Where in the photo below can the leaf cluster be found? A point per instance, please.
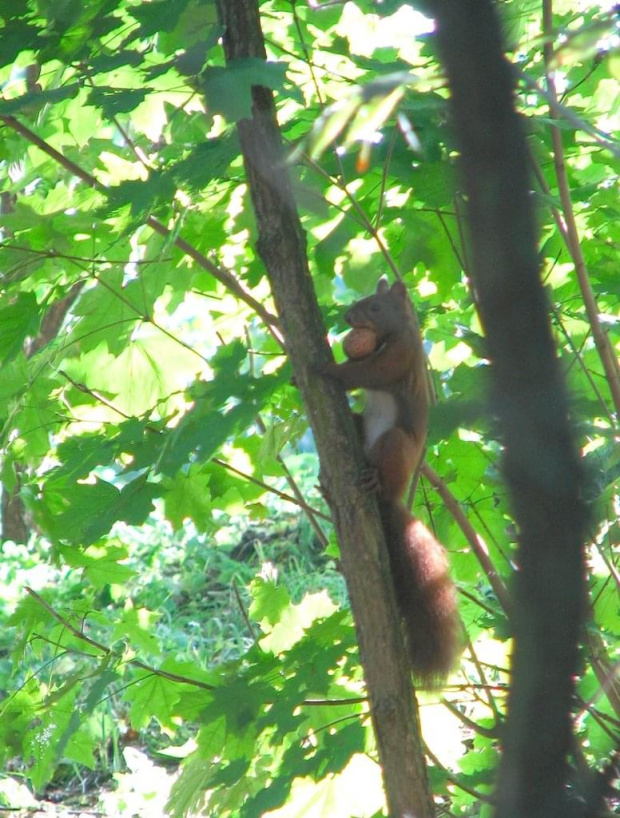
(145, 388)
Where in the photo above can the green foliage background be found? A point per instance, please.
(147, 412)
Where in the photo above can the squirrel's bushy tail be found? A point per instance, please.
(425, 594)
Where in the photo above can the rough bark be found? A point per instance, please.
(541, 464)
(17, 524)
(282, 247)
(14, 525)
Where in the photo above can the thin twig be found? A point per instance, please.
(478, 545)
(295, 500)
(281, 494)
(582, 364)
(309, 512)
(489, 693)
(488, 732)
(244, 613)
(481, 796)
(563, 112)
(384, 176)
(173, 677)
(451, 241)
(51, 253)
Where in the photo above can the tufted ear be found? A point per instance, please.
(382, 285)
(399, 289)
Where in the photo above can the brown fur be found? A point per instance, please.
(425, 594)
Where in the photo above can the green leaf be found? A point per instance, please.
(295, 619)
(89, 510)
(100, 563)
(18, 714)
(28, 614)
(143, 196)
(85, 744)
(208, 160)
(135, 626)
(228, 91)
(158, 16)
(17, 321)
(42, 740)
(114, 101)
(188, 497)
(372, 115)
(108, 62)
(33, 101)
(332, 123)
(190, 792)
(152, 697)
(223, 406)
(15, 36)
(269, 600)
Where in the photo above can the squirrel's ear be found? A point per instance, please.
(382, 285)
(399, 289)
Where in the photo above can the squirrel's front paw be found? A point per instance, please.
(327, 369)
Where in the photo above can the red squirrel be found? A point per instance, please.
(393, 433)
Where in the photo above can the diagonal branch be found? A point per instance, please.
(223, 276)
(173, 677)
(478, 545)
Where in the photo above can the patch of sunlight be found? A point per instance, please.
(142, 791)
(443, 732)
(295, 619)
(356, 791)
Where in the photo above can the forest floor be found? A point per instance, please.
(140, 792)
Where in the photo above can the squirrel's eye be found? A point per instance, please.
(375, 308)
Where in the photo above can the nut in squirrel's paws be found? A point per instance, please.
(359, 343)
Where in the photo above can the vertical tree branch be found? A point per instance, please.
(541, 464)
(605, 350)
(282, 247)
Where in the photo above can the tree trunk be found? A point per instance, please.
(541, 464)
(282, 247)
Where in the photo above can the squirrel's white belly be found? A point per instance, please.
(379, 416)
